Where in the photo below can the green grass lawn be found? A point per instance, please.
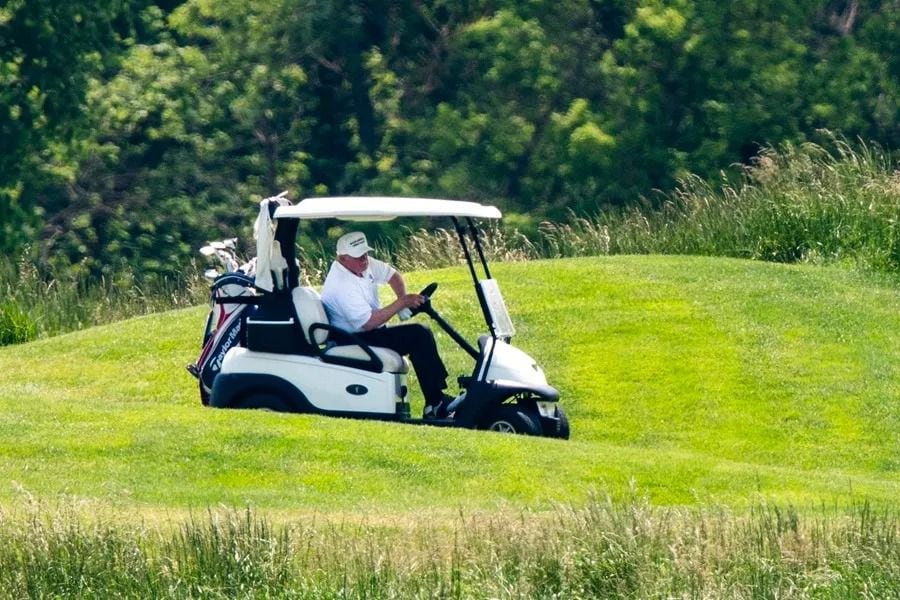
(695, 380)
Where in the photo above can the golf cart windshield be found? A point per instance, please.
(493, 299)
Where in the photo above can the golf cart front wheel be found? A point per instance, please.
(557, 427)
(510, 418)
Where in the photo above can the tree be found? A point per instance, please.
(48, 51)
(544, 107)
(189, 131)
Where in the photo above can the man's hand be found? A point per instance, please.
(382, 315)
(412, 301)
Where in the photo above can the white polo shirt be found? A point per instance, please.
(350, 300)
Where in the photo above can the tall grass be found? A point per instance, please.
(601, 550)
(424, 249)
(793, 204)
(37, 303)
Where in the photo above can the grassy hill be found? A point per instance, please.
(695, 380)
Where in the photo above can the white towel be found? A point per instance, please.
(271, 268)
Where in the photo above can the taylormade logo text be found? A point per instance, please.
(227, 343)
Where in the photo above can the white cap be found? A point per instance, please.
(353, 244)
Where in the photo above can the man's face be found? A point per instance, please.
(355, 265)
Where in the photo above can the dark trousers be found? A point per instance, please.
(417, 342)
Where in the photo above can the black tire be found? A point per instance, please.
(510, 418)
(562, 428)
(262, 401)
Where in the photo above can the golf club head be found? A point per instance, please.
(249, 267)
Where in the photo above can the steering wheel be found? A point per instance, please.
(427, 292)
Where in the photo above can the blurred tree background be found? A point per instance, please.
(132, 131)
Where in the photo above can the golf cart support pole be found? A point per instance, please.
(474, 233)
(451, 332)
(461, 232)
(485, 309)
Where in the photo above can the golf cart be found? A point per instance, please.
(291, 359)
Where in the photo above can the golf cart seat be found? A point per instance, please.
(317, 329)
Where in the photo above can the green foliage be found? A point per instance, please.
(41, 303)
(172, 118)
(213, 147)
(48, 53)
(834, 204)
(794, 204)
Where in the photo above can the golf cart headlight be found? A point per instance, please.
(547, 409)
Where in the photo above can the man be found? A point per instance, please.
(350, 296)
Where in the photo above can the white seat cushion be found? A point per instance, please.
(310, 310)
(393, 362)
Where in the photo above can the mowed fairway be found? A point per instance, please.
(691, 380)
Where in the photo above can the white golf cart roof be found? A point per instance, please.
(383, 208)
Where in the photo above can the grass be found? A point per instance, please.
(703, 383)
(806, 204)
(603, 549)
(735, 435)
(699, 380)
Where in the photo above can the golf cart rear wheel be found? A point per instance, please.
(510, 418)
(262, 401)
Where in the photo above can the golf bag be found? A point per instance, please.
(224, 328)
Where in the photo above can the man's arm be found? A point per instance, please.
(397, 284)
(382, 315)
